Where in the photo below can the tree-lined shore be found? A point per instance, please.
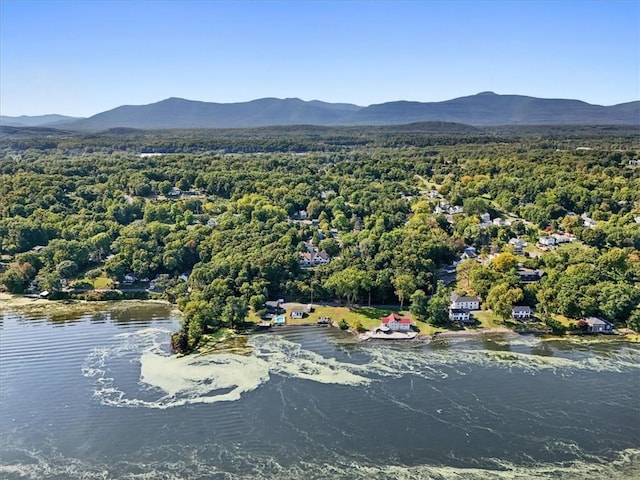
(219, 222)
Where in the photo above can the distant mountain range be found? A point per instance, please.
(483, 109)
(36, 121)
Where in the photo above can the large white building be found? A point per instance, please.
(459, 302)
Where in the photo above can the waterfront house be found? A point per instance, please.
(465, 303)
(459, 309)
(459, 315)
(395, 323)
(274, 307)
(519, 312)
(598, 325)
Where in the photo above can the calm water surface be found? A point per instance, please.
(100, 396)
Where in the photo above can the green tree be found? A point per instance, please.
(616, 301)
(100, 244)
(234, 312)
(256, 302)
(164, 187)
(67, 269)
(633, 322)
(504, 262)
(404, 285)
(347, 283)
(93, 275)
(502, 298)
(419, 305)
(464, 270)
(438, 306)
(48, 280)
(17, 277)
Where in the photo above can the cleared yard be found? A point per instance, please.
(368, 317)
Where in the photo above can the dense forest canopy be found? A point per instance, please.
(235, 209)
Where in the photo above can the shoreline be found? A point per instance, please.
(54, 308)
(63, 309)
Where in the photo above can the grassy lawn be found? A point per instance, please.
(428, 184)
(369, 317)
(223, 340)
(489, 319)
(532, 250)
(564, 320)
(102, 283)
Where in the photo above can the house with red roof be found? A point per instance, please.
(395, 323)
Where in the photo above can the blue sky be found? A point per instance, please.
(83, 57)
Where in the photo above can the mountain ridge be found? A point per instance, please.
(482, 109)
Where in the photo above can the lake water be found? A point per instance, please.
(101, 397)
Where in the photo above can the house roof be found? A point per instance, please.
(395, 317)
(521, 308)
(527, 272)
(596, 321)
(457, 298)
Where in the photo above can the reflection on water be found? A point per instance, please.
(102, 397)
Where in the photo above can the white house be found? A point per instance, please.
(313, 259)
(297, 314)
(396, 323)
(563, 238)
(547, 241)
(521, 312)
(485, 217)
(518, 244)
(588, 221)
(464, 303)
(459, 315)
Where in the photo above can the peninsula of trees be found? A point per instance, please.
(220, 221)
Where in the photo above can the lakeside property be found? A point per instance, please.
(227, 340)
